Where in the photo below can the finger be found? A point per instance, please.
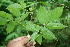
(34, 43)
(18, 43)
(30, 44)
(25, 40)
(21, 38)
(18, 39)
(28, 36)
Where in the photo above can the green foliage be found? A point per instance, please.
(55, 26)
(14, 9)
(47, 34)
(3, 21)
(48, 15)
(5, 2)
(32, 27)
(6, 15)
(41, 20)
(39, 39)
(10, 26)
(34, 36)
(42, 15)
(10, 36)
(3, 46)
(23, 5)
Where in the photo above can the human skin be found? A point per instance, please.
(21, 42)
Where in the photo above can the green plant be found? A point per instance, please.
(25, 18)
(5, 2)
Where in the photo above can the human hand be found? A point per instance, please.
(21, 42)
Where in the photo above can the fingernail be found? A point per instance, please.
(28, 36)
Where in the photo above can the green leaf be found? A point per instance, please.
(23, 24)
(47, 34)
(15, 9)
(23, 16)
(6, 15)
(39, 39)
(9, 16)
(10, 27)
(34, 36)
(45, 16)
(16, 35)
(62, 1)
(55, 26)
(30, 26)
(10, 36)
(45, 3)
(19, 30)
(37, 27)
(55, 13)
(15, 5)
(23, 4)
(3, 21)
(41, 15)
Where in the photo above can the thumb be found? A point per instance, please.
(25, 39)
